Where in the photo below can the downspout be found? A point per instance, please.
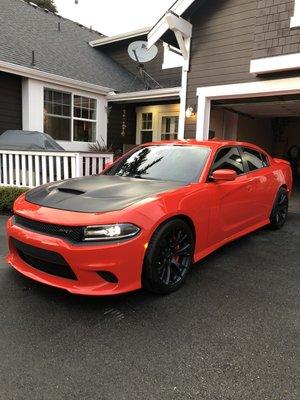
(183, 91)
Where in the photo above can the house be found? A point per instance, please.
(226, 68)
(242, 74)
(57, 76)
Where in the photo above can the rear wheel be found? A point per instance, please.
(169, 257)
(280, 209)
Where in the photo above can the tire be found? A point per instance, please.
(169, 257)
(280, 209)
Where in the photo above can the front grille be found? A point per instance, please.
(44, 260)
(72, 233)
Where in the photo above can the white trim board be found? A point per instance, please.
(241, 90)
(162, 25)
(145, 94)
(52, 78)
(181, 6)
(275, 64)
(118, 38)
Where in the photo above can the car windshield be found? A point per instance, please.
(167, 163)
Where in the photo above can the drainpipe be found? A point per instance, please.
(183, 91)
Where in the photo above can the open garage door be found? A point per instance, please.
(270, 122)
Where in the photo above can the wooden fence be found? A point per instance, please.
(34, 168)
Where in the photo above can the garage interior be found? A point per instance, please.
(272, 123)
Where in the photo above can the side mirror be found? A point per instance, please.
(224, 175)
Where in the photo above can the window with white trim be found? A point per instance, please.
(172, 57)
(295, 20)
(84, 124)
(169, 129)
(147, 128)
(57, 114)
(69, 117)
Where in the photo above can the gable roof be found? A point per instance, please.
(61, 47)
(181, 8)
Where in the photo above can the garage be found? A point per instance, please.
(272, 123)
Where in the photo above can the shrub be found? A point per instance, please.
(7, 197)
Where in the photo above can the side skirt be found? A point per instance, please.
(214, 247)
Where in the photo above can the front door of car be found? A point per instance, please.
(233, 207)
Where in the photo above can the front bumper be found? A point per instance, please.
(122, 259)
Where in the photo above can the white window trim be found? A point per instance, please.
(33, 110)
(72, 118)
(295, 20)
(275, 64)
(242, 90)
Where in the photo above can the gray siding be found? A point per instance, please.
(166, 77)
(222, 45)
(10, 102)
(273, 36)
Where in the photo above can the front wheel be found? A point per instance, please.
(280, 209)
(169, 257)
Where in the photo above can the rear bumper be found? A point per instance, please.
(124, 260)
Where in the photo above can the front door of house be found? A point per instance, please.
(156, 123)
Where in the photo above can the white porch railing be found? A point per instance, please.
(34, 168)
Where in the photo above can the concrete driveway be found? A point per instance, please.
(231, 333)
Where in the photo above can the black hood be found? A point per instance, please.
(98, 193)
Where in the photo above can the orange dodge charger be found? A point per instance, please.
(148, 217)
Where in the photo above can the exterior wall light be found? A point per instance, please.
(189, 112)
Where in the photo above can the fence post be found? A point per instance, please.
(78, 165)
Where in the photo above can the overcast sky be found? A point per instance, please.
(111, 17)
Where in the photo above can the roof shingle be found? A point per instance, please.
(61, 47)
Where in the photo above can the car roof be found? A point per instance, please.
(213, 143)
(28, 140)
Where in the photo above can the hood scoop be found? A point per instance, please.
(70, 191)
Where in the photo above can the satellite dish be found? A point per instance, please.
(140, 53)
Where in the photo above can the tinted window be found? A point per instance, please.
(265, 160)
(229, 158)
(168, 163)
(253, 159)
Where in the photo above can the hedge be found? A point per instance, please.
(7, 197)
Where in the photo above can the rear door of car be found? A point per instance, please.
(262, 179)
(233, 203)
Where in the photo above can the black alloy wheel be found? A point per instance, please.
(169, 257)
(280, 209)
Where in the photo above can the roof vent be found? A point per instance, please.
(33, 4)
(46, 10)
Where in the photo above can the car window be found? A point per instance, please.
(265, 160)
(168, 163)
(229, 158)
(253, 158)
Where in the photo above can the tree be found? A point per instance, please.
(49, 4)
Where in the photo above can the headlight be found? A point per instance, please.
(110, 232)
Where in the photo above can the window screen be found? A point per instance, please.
(229, 158)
